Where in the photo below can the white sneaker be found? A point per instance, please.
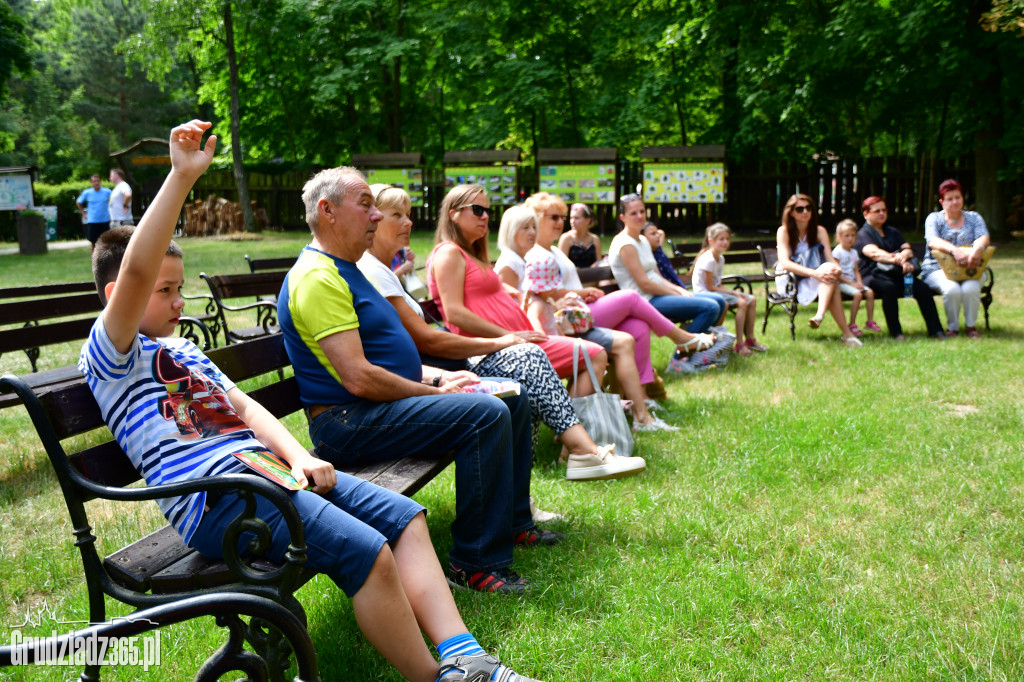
(651, 404)
(602, 465)
(541, 516)
(852, 342)
(655, 424)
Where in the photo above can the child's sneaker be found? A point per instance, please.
(855, 330)
(872, 326)
(476, 668)
(501, 580)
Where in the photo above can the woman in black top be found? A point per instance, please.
(582, 246)
(885, 257)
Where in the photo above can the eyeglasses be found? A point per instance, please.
(478, 210)
(801, 209)
(555, 217)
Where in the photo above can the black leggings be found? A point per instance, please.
(890, 289)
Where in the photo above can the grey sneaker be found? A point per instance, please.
(477, 668)
(655, 424)
(602, 465)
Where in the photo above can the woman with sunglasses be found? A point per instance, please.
(885, 259)
(635, 269)
(582, 246)
(476, 303)
(802, 246)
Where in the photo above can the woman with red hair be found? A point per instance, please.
(885, 258)
(963, 235)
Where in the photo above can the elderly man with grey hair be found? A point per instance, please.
(368, 397)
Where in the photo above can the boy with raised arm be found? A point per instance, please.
(373, 543)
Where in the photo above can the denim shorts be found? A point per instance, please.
(602, 336)
(345, 529)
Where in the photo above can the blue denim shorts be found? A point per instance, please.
(345, 529)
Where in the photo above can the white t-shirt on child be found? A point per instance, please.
(706, 262)
(847, 261)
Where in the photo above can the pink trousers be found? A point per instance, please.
(630, 312)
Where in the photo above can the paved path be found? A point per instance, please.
(56, 246)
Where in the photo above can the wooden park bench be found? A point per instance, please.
(787, 299)
(743, 251)
(261, 287)
(158, 568)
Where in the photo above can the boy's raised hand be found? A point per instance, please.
(188, 156)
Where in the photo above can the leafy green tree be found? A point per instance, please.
(202, 32)
(14, 46)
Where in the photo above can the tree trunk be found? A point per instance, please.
(242, 185)
(990, 197)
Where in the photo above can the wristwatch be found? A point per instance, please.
(437, 381)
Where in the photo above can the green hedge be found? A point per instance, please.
(63, 195)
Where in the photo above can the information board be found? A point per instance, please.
(684, 183)
(585, 183)
(500, 181)
(15, 192)
(409, 179)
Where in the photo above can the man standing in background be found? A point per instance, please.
(120, 200)
(93, 204)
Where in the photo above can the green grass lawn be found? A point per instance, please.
(824, 514)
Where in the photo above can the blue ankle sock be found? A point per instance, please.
(459, 645)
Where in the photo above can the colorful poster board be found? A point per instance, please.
(15, 192)
(585, 183)
(501, 181)
(684, 183)
(409, 179)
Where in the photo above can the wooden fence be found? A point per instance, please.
(756, 192)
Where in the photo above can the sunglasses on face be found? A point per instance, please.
(801, 209)
(477, 209)
(555, 217)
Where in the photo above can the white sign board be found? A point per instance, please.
(15, 192)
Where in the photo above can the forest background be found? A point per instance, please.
(295, 84)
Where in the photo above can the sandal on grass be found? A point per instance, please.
(814, 322)
(742, 350)
(754, 345)
(699, 342)
(852, 342)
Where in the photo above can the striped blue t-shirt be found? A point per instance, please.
(166, 405)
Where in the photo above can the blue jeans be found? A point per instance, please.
(718, 298)
(493, 459)
(703, 310)
(345, 529)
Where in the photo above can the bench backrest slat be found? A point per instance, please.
(47, 308)
(45, 334)
(49, 290)
(257, 264)
(246, 285)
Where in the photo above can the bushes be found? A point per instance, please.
(63, 195)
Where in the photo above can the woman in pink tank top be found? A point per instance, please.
(475, 302)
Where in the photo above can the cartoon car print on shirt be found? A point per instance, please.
(195, 403)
